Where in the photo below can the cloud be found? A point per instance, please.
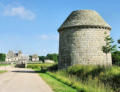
(48, 37)
(20, 11)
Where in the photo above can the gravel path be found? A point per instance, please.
(22, 80)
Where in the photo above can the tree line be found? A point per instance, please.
(2, 57)
(53, 57)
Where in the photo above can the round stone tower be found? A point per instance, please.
(81, 39)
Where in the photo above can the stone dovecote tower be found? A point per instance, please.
(81, 39)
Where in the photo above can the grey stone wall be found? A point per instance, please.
(81, 39)
(83, 46)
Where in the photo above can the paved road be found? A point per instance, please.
(22, 80)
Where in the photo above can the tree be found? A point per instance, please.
(42, 58)
(30, 57)
(53, 57)
(2, 57)
(108, 47)
(116, 58)
(119, 43)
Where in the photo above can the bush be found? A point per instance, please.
(2, 57)
(116, 58)
(38, 66)
(53, 57)
(42, 58)
(44, 67)
(54, 67)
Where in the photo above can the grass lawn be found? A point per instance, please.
(56, 85)
(2, 71)
(4, 64)
(80, 78)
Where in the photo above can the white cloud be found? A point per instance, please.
(20, 11)
(48, 37)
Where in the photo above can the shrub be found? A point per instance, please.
(53, 57)
(44, 67)
(116, 58)
(2, 57)
(54, 67)
(38, 66)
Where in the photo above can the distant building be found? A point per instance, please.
(16, 57)
(49, 61)
(81, 40)
(35, 58)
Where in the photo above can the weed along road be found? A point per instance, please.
(22, 80)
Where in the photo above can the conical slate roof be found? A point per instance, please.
(84, 18)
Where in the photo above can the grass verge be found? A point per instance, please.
(56, 85)
(86, 78)
(2, 71)
(4, 64)
(88, 86)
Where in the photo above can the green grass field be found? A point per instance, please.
(2, 71)
(4, 64)
(56, 85)
(84, 78)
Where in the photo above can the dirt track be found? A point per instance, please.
(22, 80)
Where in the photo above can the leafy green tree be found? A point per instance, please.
(116, 58)
(53, 57)
(30, 57)
(2, 57)
(42, 58)
(108, 47)
(119, 43)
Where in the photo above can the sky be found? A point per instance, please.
(31, 25)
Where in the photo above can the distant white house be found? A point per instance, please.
(35, 58)
(49, 61)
